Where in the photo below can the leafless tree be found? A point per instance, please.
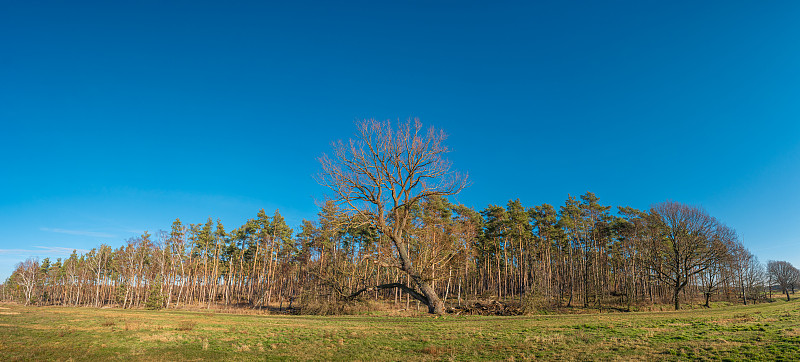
(688, 245)
(381, 175)
(536, 256)
(28, 272)
(756, 279)
(795, 279)
(783, 273)
(718, 273)
(741, 263)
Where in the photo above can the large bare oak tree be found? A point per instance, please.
(381, 175)
(688, 244)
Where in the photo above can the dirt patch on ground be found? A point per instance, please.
(8, 313)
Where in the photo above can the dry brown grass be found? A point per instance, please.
(433, 350)
(242, 348)
(161, 337)
(791, 332)
(737, 318)
(546, 339)
(742, 332)
(186, 325)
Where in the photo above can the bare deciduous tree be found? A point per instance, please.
(717, 274)
(28, 272)
(783, 273)
(687, 246)
(538, 257)
(381, 175)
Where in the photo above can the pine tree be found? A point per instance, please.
(155, 300)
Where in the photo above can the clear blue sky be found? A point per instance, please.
(118, 117)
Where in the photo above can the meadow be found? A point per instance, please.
(767, 331)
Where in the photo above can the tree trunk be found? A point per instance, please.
(435, 305)
(676, 299)
(431, 299)
(744, 294)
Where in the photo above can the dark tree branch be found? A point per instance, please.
(402, 286)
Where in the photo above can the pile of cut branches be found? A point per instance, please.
(491, 307)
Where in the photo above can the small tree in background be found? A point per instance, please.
(155, 300)
(27, 277)
(784, 274)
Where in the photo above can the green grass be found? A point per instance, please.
(769, 331)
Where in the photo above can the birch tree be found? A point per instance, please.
(28, 272)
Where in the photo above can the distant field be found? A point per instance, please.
(768, 331)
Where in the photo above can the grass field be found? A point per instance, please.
(769, 331)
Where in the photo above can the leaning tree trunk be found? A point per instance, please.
(434, 303)
(426, 294)
(421, 289)
(432, 300)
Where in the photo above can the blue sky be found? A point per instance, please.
(119, 117)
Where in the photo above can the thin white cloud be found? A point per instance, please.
(93, 234)
(42, 250)
(57, 250)
(14, 251)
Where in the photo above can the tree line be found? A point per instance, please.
(579, 254)
(388, 232)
